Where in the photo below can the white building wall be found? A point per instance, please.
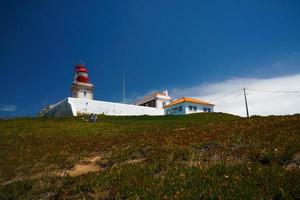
(186, 110)
(109, 108)
(159, 102)
(182, 112)
(158, 98)
(61, 109)
(200, 108)
(74, 106)
(88, 94)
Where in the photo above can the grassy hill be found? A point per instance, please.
(199, 156)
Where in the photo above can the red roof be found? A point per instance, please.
(80, 68)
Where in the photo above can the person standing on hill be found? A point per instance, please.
(91, 118)
(95, 118)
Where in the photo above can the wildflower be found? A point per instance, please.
(249, 169)
(182, 175)
(226, 176)
(176, 195)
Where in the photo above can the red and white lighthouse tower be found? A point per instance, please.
(81, 87)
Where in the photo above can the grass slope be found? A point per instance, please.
(199, 156)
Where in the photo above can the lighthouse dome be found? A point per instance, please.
(80, 68)
(81, 73)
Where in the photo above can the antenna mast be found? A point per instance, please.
(123, 87)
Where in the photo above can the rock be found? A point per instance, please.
(294, 163)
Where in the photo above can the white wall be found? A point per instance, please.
(185, 108)
(61, 109)
(110, 108)
(200, 108)
(159, 102)
(80, 94)
(176, 106)
(74, 106)
(159, 98)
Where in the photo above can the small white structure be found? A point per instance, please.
(186, 105)
(155, 100)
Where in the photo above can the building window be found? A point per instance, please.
(208, 110)
(84, 93)
(176, 110)
(204, 109)
(180, 108)
(163, 104)
(195, 108)
(190, 108)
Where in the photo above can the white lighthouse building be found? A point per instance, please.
(81, 87)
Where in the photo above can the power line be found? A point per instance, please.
(256, 90)
(266, 91)
(227, 95)
(275, 91)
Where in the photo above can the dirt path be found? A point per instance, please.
(92, 164)
(85, 166)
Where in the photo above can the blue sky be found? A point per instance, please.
(162, 44)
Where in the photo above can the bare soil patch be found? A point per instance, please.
(87, 165)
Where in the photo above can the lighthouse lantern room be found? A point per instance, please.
(81, 87)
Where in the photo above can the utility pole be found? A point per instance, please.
(123, 87)
(246, 103)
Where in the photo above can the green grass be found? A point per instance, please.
(198, 156)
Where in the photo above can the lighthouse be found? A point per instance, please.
(81, 87)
